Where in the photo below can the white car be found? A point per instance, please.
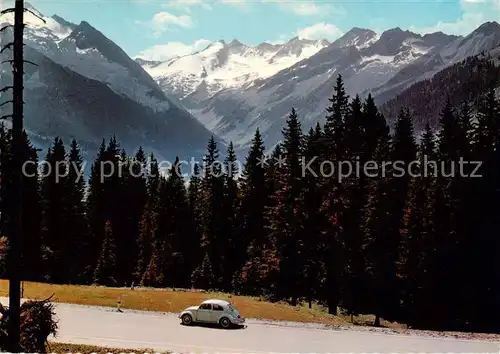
(212, 311)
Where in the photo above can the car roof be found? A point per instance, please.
(216, 301)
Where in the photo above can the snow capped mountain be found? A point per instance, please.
(383, 64)
(224, 65)
(358, 37)
(87, 87)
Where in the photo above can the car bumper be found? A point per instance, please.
(240, 320)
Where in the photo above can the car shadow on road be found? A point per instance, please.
(214, 326)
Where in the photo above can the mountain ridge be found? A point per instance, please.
(383, 65)
(86, 87)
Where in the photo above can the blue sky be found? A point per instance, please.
(161, 28)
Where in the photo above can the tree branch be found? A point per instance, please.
(6, 11)
(34, 14)
(5, 27)
(6, 102)
(30, 62)
(4, 89)
(7, 46)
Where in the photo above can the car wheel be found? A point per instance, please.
(224, 322)
(187, 319)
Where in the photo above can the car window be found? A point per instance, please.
(205, 307)
(217, 307)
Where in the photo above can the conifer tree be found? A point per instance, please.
(314, 219)
(106, 265)
(134, 196)
(78, 247)
(255, 198)
(231, 224)
(195, 199)
(95, 205)
(212, 214)
(445, 246)
(334, 150)
(352, 277)
(179, 232)
(380, 266)
(484, 263)
(417, 236)
(286, 218)
(55, 221)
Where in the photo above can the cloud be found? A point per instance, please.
(320, 31)
(474, 14)
(164, 52)
(187, 4)
(307, 8)
(240, 4)
(164, 21)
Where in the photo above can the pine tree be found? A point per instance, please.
(78, 247)
(105, 271)
(134, 196)
(55, 221)
(179, 231)
(95, 204)
(484, 245)
(334, 150)
(195, 199)
(286, 218)
(417, 242)
(255, 198)
(314, 219)
(203, 277)
(379, 247)
(403, 156)
(148, 227)
(212, 214)
(352, 277)
(441, 263)
(231, 212)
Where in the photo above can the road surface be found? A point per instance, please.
(161, 332)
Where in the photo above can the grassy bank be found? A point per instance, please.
(168, 300)
(60, 348)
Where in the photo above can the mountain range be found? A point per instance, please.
(234, 88)
(86, 87)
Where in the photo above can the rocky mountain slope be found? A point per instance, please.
(384, 64)
(468, 80)
(224, 65)
(87, 87)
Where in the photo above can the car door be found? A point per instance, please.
(217, 311)
(204, 313)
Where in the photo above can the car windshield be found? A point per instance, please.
(233, 310)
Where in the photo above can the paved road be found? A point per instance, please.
(138, 330)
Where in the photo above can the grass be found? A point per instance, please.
(168, 300)
(59, 348)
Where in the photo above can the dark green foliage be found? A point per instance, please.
(106, 265)
(286, 218)
(56, 229)
(78, 246)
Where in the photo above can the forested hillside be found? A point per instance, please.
(419, 248)
(465, 81)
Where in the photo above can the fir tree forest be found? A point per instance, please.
(419, 249)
